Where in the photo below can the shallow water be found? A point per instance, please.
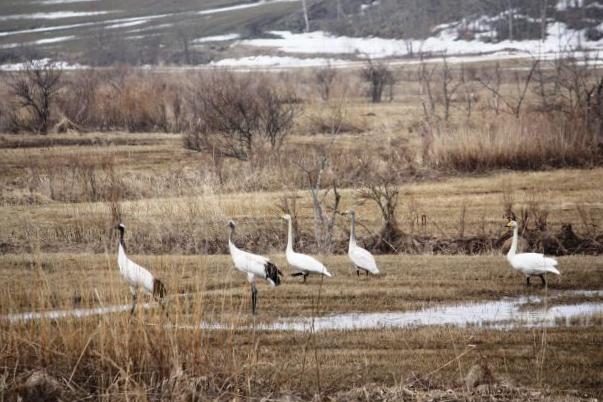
(74, 313)
(506, 313)
(502, 314)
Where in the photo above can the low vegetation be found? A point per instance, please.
(151, 356)
(455, 118)
(433, 172)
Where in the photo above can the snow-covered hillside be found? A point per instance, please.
(242, 33)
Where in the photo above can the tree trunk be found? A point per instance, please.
(306, 19)
(545, 5)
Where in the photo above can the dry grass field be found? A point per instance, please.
(116, 356)
(61, 255)
(63, 193)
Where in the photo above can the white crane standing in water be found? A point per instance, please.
(135, 275)
(302, 263)
(361, 258)
(255, 266)
(530, 264)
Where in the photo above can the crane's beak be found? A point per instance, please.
(509, 225)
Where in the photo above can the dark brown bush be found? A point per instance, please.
(237, 116)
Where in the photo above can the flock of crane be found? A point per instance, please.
(260, 267)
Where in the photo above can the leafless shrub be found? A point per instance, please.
(34, 90)
(576, 90)
(78, 102)
(513, 103)
(382, 186)
(334, 117)
(323, 186)
(324, 81)
(378, 76)
(450, 84)
(78, 179)
(238, 115)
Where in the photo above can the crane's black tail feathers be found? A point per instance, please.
(272, 273)
(159, 290)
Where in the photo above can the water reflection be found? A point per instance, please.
(506, 313)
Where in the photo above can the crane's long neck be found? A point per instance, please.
(353, 231)
(121, 239)
(513, 248)
(290, 238)
(231, 245)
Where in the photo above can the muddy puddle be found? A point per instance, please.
(507, 313)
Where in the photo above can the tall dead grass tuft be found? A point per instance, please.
(533, 142)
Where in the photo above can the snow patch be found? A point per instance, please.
(53, 15)
(63, 65)
(364, 7)
(47, 29)
(243, 6)
(127, 24)
(53, 40)
(563, 5)
(559, 39)
(217, 38)
(49, 2)
(275, 61)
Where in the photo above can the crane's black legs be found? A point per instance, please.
(254, 298)
(542, 279)
(162, 303)
(527, 281)
(304, 274)
(357, 272)
(134, 298)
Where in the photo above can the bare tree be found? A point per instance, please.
(306, 18)
(340, 12)
(238, 115)
(469, 94)
(35, 89)
(325, 78)
(450, 84)
(514, 103)
(378, 76)
(543, 15)
(510, 13)
(382, 186)
(183, 37)
(425, 76)
(321, 184)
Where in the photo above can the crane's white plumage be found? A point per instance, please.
(135, 275)
(251, 264)
(302, 263)
(255, 266)
(361, 258)
(530, 264)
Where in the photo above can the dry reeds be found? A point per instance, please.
(530, 143)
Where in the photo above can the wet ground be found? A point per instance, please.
(507, 313)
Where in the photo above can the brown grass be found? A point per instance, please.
(61, 194)
(171, 205)
(117, 358)
(529, 143)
